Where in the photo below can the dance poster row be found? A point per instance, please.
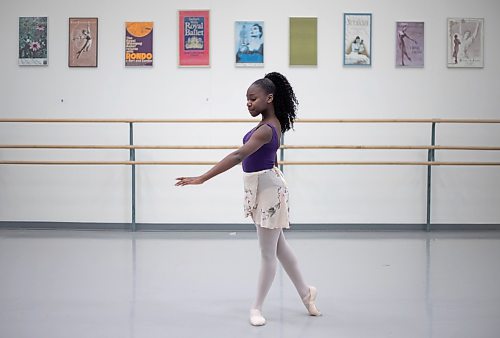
(465, 40)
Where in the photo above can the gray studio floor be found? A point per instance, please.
(144, 285)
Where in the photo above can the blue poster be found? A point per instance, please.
(249, 43)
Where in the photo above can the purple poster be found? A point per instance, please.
(410, 44)
(139, 44)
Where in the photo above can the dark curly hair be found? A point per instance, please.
(284, 100)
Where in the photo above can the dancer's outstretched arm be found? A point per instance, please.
(260, 137)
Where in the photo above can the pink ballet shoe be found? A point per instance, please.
(309, 302)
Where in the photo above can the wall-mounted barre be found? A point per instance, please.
(132, 147)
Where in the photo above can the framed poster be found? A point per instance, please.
(410, 44)
(194, 38)
(357, 39)
(33, 41)
(139, 44)
(303, 41)
(465, 43)
(82, 42)
(249, 43)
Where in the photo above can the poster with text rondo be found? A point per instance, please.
(139, 44)
(194, 38)
(33, 41)
(82, 42)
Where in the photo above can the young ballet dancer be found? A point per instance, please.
(266, 192)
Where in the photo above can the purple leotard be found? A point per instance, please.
(265, 157)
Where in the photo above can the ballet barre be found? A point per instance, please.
(317, 163)
(300, 120)
(131, 147)
(219, 147)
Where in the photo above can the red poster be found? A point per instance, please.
(194, 38)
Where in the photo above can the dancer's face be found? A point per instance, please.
(257, 100)
(255, 31)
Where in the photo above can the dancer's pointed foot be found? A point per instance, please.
(256, 318)
(309, 302)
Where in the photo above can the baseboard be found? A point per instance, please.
(63, 225)
(228, 227)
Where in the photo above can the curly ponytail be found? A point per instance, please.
(284, 100)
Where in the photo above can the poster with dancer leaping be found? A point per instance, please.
(82, 42)
(465, 43)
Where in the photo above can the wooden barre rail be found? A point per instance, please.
(430, 163)
(215, 147)
(431, 120)
(279, 162)
(174, 147)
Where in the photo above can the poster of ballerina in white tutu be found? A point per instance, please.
(465, 43)
(357, 39)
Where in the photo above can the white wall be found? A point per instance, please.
(319, 194)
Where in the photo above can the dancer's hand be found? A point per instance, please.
(189, 181)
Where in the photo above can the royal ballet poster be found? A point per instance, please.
(82, 42)
(194, 38)
(33, 41)
(357, 39)
(249, 43)
(465, 43)
(138, 44)
(410, 44)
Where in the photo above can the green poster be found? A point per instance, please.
(303, 41)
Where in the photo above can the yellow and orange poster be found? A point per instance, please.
(139, 44)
